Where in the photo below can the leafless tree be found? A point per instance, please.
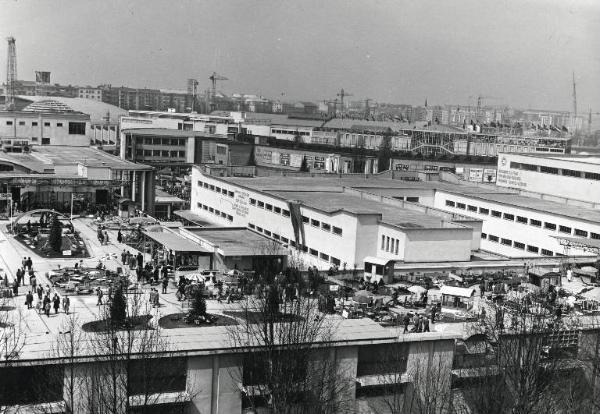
(287, 365)
(12, 340)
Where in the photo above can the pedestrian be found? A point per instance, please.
(105, 236)
(40, 292)
(24, 262)
(406, 321)
(119, 236)
(32, 281)
(433, 312)
(132, 262)
(56, 303)
(38, 306)
(66, 302)
(15, 288)
(29, 264)
(425, 325)
(47, 308)
(100, 294)
(420, 324)
(165, 283)
(28, 299)
(140, 260)
(124, 257)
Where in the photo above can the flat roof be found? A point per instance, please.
(175, 242)
(333, 202)
(578, 158)
(97, 110)
(238, 241)
(44, 158)
(195, 218)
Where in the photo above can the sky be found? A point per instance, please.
(520, 53)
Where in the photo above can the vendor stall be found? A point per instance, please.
(457, 297)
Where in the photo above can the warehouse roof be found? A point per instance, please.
(97, 110)
(237, 241)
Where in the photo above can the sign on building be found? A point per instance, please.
(476, 174)
(489, 175)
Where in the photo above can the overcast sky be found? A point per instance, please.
(522, 52)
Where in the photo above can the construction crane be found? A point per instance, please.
(214, 78)
(342, 94)
(11, 73)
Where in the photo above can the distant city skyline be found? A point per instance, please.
(521, 53)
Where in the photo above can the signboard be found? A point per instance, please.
(510, 178)
(334, 288)
(295, 160)
(489, 175)
(240, 203)
(66, 253)
(275, 157)
(319, 163)
(284, 159)
(5, 196)
(476, 174)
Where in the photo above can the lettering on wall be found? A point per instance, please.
(240, 203)
(510, 178)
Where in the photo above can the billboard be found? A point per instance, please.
(489, 175)
(476, 174)
(42, 77)
(275, 157)
(296, 160)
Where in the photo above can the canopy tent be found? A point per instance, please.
(457, 291)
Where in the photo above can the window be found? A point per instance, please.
(412, 199)
(205, 185)
(387, 244)
(564, 229)
(45, 141)
(217, 189)
(483, 210)
(252, 202)
(324, 256)
(34, 124)
(33, 139)
(199, 205)
(382, 242)
(252, 226)
(325, 227)
(547, 252)
(223, 214)
(335, 261)
(223, 191)
(521, 219)
(510, 217)
(496, 213)
(571, 173)
(59, 124)
(285, 239)
(212, 210)
(277, 210)
(595, 236)
(550, 226)
(484, 236)
(472, 208)
(230, 194)
(267, 233)
(76, 128)
(199, 183)
(21, 123)
(397, 246)
(261, 204)
(230, 217)
(519, 245)
(46, 124)
(211, 187)
(258, 228)
(581, 233)
(269, 207)
(461, 206)
(156, 376)
(535, 223)
(292, 243)
(592, 176)
(450, 203)
(533, 249)
(276, 236)
(493, 238)
(548, 170)
(337, 231)
(217, 212)
(315, 223)
(313, 252)
(285, 213)
(305, 219)
(506, 242)
(205, 207)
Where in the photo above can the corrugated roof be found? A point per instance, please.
(234, 241)
(97, 110)
(175, 242)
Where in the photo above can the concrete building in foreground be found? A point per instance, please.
(203, 372)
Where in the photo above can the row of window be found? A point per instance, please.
(390, 244)
(174, 142)
(160, 153)
(518, 245)
(216, 212)
(304, 248)
(523, 220)
(555, 171)
(269, 207)
(216, 188)
(34, 123)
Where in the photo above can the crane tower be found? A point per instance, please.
(214, 78)
(11, 73)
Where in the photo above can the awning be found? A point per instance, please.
(175, 242)
(377, 260)
(457, 291)
(193, 217)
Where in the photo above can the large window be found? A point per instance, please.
(76, 128)
(370, 359)
(156, 375)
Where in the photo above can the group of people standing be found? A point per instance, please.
(46, 301)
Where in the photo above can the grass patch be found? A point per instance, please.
(135, 323)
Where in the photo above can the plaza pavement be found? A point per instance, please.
(83, 306)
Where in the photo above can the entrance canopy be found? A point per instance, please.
(377, 260)
(172, 241)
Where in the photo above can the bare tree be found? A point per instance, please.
(12, 341)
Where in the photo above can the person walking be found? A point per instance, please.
(40, 292)
(29, 264)
(56, 303)
(24, 262)
(32, 281)
(165, 283)
(29, 300)
(66, 302)
(406, 321)
(140, 260)
(425, 325)
(119, 236)
(124, 257)
(100, 294)
(47, 308)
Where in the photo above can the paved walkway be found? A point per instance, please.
(83, 306)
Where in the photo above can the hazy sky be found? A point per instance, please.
(520, 51)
